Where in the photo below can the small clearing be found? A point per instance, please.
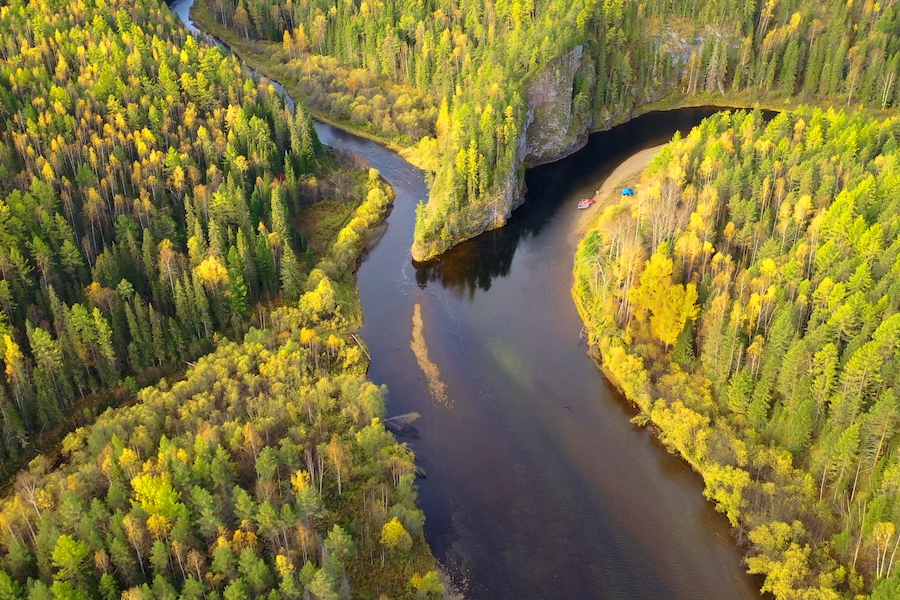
(611, 187)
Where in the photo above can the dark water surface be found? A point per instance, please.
(182, 8)
(538, 485)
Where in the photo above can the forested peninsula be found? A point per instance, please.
(161, 208)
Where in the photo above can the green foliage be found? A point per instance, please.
(143, 213)
(427, 586)
(69, 556)
(265, 457)
(395, 537)
(146, 205)
(360, 64)
(797, 341)
(886, 589)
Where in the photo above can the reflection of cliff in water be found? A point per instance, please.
(474, 264)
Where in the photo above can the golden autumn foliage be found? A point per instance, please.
(212, 272)
(760, 338)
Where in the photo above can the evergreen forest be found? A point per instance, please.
(749, 303)
(456, 79)
(178, 308)
(163, 209)
(148, 196)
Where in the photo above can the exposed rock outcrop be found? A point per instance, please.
(552, 131)
(488, 213)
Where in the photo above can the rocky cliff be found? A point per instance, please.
(552, 131)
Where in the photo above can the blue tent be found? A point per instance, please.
(628, 192)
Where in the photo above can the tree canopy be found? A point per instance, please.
(457, 77)
(782, 392)
(148, 189)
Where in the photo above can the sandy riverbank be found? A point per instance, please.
(632, 166)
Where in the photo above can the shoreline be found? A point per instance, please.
(206, 24)
(630, 169)
(629, 173)
(691, 422)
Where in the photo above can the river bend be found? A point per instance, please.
(538, 485)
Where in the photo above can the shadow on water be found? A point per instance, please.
(475, 264)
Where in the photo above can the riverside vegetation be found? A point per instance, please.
(149, 191)
(788, 413)
(469, 82)
(748, 301)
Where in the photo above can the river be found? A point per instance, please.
(538, 485)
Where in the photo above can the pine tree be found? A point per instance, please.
(137, 357)
(237, 289)
(201, 301)
(105, 345)
(160, 345)
(18, 377)
(265, 265)
(248, 263)
(292, 278)
(716, 69)
(48, 359)
(281, 217)
(788, 76)
(185, 307)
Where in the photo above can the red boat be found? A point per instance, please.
(586, 203)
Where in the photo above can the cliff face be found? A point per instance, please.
(488, 213)
(552, 131)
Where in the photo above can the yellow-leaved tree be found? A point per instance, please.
(669, 305)
(212, 272)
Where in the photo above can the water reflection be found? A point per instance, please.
(538, 485)
(474, 265)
